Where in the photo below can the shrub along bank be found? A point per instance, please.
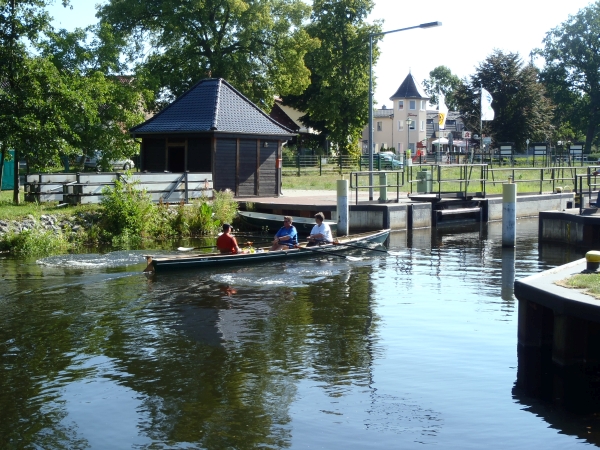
(126, 218)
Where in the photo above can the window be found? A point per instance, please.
(423, 105)
(412, 105)
(379, 126)
(400, 104)
(412, 124)
(422, 125)
(400, 125)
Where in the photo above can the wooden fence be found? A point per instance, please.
(85, 188)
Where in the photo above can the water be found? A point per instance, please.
(402, 351)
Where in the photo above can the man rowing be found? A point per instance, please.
(286, 237)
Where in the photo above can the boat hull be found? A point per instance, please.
(355, 242)
(274, 222)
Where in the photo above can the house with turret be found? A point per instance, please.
(408, 124)
(404, 126)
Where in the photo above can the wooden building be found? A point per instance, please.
(214, 128)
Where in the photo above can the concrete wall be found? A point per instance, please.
(530, 205)
(570, 228)
(420, 215)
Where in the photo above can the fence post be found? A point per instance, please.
(186, 186)
(298, 163)
(320, 165)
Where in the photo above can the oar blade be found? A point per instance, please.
(185, 249)
(354, 258)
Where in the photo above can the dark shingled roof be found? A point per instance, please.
(409, 89)
(212, 105)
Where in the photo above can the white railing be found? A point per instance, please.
(85, 188)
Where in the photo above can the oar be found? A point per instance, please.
(316, 250)
(188, 249)
(362, 248)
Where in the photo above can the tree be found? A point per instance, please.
(441, 79)
(54, 99)
(22, 23)
(257, 46)
(521, 108)
(572, 70)
(336, 102)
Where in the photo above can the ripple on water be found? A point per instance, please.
(94, 260)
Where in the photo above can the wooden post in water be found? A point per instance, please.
(342, 207)
(509, 214)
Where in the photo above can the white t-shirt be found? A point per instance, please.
(324, 230)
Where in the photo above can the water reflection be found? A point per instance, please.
(508, 273)
(391, 351)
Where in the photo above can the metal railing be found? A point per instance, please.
(315, 164)
(356, 182)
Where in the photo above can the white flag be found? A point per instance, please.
(487, 113)
(442, 112)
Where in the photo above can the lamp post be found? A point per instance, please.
(408, 122)
(371, 36)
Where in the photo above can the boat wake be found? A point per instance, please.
(94, 260)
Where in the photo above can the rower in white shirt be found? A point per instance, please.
(321, 233)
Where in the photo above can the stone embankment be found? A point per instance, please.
(49, 222)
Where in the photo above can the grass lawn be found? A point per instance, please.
(9, 211)
(528, 179)
(589, 282)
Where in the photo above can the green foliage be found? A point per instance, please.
(522, 110)
(224, 206)
(257, 46)
(336, 102)
(201, 220)
(35, 242)
(125, 210)
(441, 79)
(572, 71)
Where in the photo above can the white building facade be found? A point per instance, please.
(405, 125)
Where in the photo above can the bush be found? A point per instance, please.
(201, 218)
(224, 206)
(35, 242)
(125, 210)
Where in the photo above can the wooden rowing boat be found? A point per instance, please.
(274, 222)
(342, 244)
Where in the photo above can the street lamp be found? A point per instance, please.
(371, 36)
(408, 122)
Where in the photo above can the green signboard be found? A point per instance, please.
(8, 173)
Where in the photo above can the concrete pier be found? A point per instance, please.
(408, 213)
(558, 339)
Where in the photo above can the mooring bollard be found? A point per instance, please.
(383, 187)
(342, 207)
(593, 260)
(509, 214)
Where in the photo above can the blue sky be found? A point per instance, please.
(471, 30)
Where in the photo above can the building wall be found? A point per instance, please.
(390, 128)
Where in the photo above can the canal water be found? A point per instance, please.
(403, 350)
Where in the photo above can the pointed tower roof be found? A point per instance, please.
(409, 89)
(212, 105)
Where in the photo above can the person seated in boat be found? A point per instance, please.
(286, 237)
(321, 232)
(226, 243)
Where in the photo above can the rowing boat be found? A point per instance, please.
(274, 222)
(342, 244)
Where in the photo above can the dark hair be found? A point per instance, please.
(226, 226)
(320, 216)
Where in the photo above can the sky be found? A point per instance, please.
(470, 31)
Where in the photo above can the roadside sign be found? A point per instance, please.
(466, 135)
(487, 140)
